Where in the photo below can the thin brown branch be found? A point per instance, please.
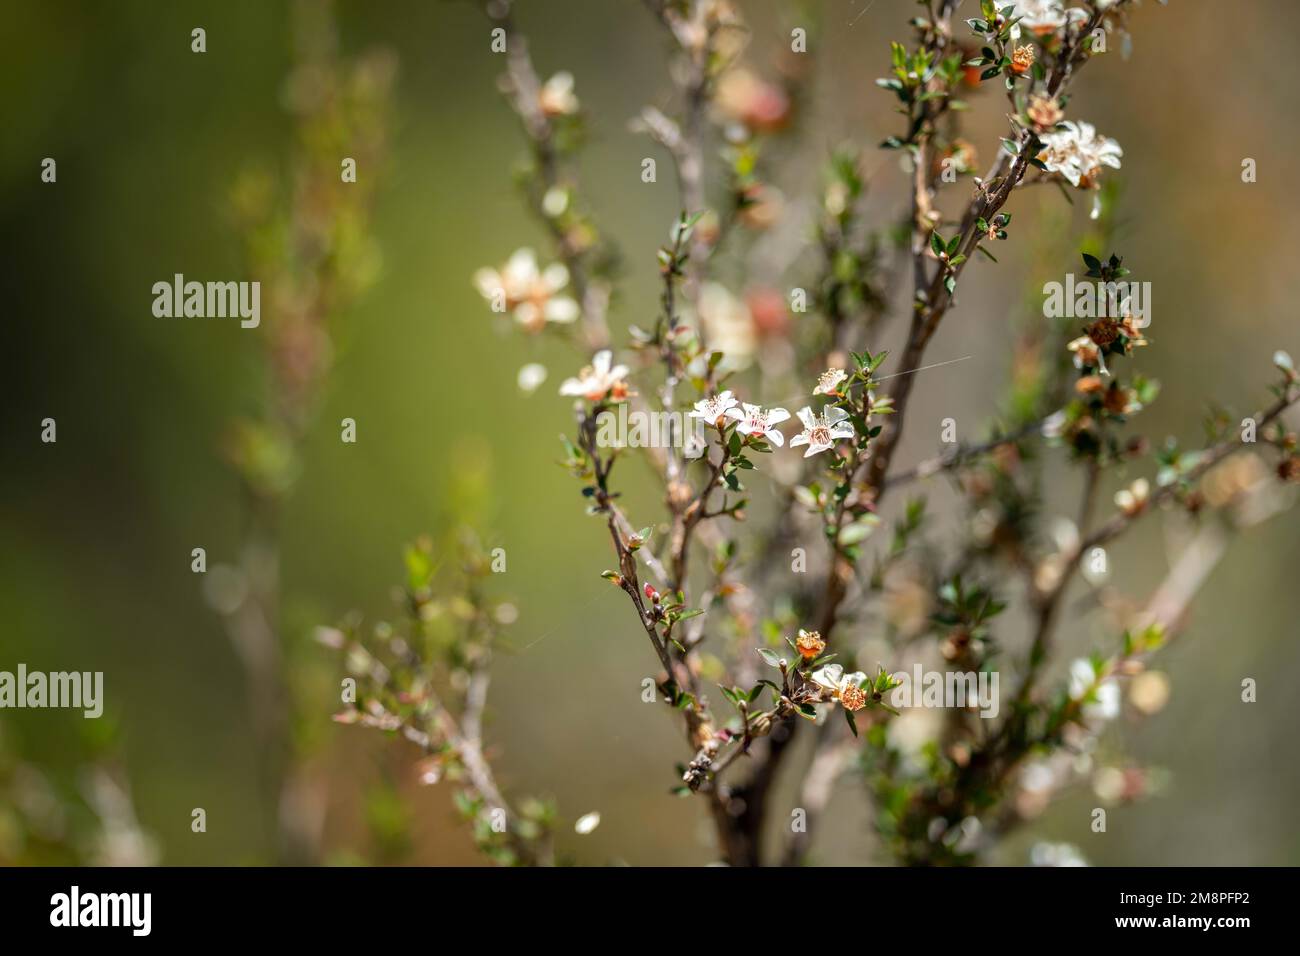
(523, 89)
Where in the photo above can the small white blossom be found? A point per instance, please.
(530, 294)
(822, 432)
(557, 97)
(1082, 679)
(530, 377)
(598, 379)
(829, 382)
(1053, 425)
(587, 823)
(1056, 854)
(1133, 499)
(714, 410)
(1078, 153)
(755, 421)
(728, 324)
(1042, 17)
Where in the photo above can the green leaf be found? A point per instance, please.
(859, 531)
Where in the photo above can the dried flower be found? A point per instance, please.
(1103, 332)
(1022, 59)
(853, 697)
(1044, 112)
(1089, 385)
(809, 644)
(1119, 400)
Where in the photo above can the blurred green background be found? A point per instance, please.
(96, 530)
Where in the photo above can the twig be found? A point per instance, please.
(524, 95)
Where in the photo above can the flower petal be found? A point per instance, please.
(830, 676)
(561, 309)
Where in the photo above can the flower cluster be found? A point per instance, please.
(603, 382)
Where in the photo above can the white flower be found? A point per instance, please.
(1086, 354)
(1133, 499)
(829, 382)
(587, 822)
(1044, 16)
(1053, 425)
(530, 377)
(557, 97)
(1078, 153)
(1105, 705)
(821, 433)
(728, 324)
(846, 688)
(1056, 854)
(598, 379)
(755, 421)
(713, 410)
(529, 293)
